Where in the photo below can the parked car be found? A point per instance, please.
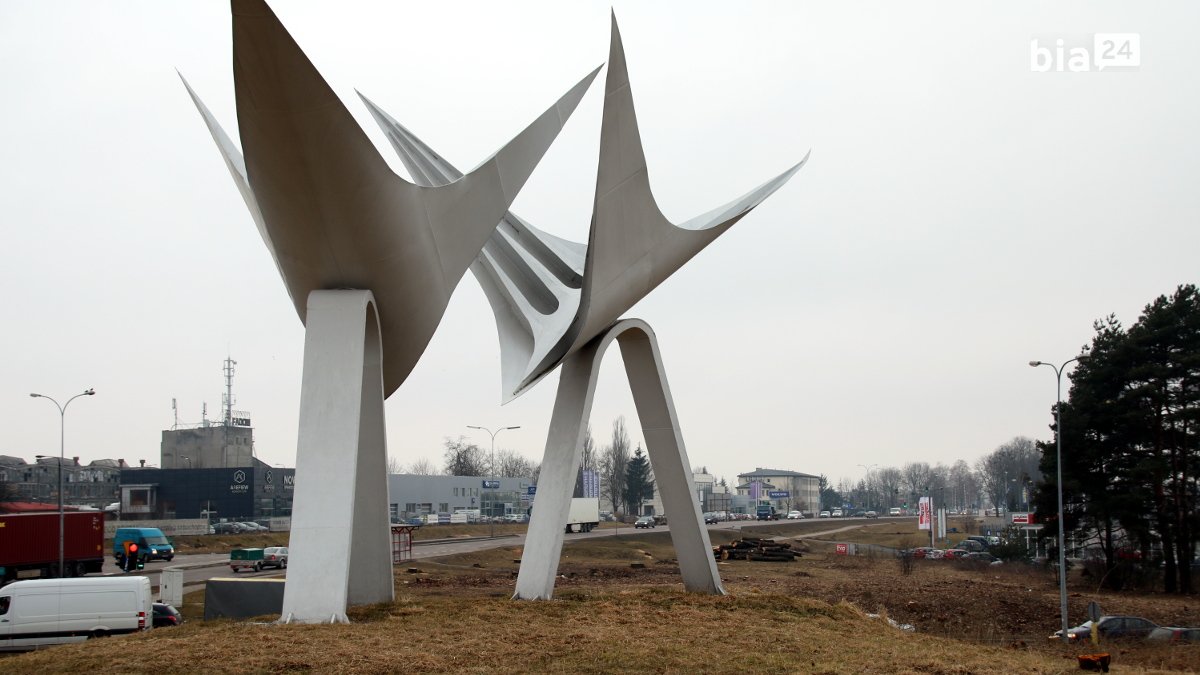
(935, 554)
(859, 514)
(645, 521)
(971, 545)
(922, 551)
(823, 514)
(795, 515)
(166, 615)
(275, 556)
(1174, 636)
(954, 553)
(1110, 627)
(39, 613)
(980, 556)
(870, 514)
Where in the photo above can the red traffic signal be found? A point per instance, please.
(133, 548)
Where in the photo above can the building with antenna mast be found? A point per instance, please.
(208, 470)
(228, 443)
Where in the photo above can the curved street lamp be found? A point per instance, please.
(1062, 543)
(492, 471)
(62, 415)
(868, 468)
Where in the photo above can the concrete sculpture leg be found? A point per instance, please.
(664, 445)
(339, 542)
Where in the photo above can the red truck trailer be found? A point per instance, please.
(29, 544)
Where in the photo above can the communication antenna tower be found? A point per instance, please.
(227, 399)
(175, 409)
(204, 415)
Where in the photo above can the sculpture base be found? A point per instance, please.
(664, 445)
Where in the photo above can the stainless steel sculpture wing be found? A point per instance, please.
(331, 211)
(551, 296)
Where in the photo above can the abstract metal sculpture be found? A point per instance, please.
(556, 301)
(370, 261)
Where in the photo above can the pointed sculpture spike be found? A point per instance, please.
(632, 246)
(236, 165)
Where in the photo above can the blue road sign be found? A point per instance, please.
(491, 484)
(531, 490)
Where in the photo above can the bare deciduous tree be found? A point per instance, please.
(918, 476)
(1006, 468)
(891, 480)
(394, 465)
(464, 459)
(511, 464)
(422, 467)
(613, 461)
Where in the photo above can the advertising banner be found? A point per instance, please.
(591, 484)
(923, 514)
(779, 494)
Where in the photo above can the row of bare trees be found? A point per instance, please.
(462, 458)
(996, 480)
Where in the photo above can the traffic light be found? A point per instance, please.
(131, 557)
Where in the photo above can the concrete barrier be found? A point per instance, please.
(170, 528)
(242, 598)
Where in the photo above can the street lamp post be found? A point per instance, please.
(62, 415)
(492, 471)
(1062, 548)
(868, 468)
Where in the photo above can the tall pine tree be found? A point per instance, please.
(639, 481)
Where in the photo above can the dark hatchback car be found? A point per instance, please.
(166, 615)
(1112, 627)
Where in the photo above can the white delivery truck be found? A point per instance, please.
(43, 612)
(584, 515)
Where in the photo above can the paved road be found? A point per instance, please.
(201, 567)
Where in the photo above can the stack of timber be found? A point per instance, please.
(756, 549)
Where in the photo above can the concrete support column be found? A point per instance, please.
(664, 445)
(339, 553)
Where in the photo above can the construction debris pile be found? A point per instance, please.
(756, 549)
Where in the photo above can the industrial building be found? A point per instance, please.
(255, 492)
(412, 496)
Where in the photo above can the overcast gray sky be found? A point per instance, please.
(960, 216)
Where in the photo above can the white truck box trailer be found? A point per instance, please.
(584, 514)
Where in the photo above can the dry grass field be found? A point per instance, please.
(453, 615)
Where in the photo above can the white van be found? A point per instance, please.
(43, 612)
